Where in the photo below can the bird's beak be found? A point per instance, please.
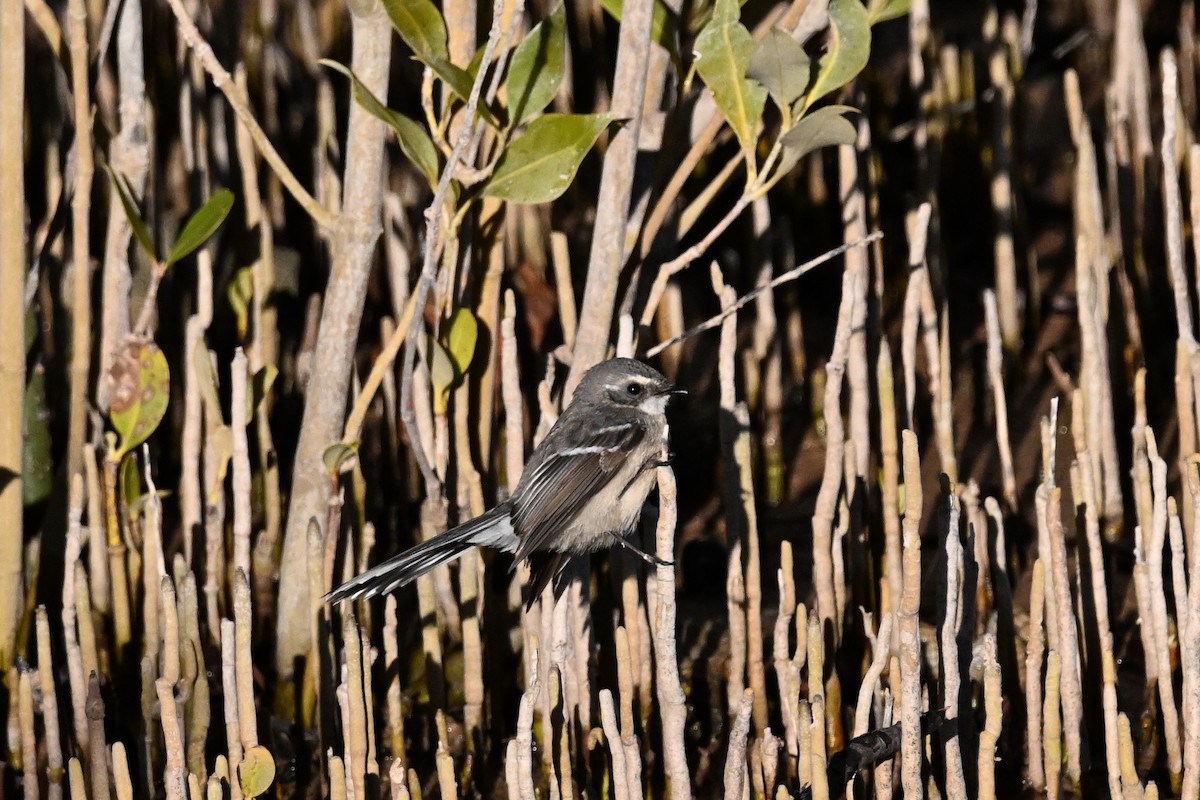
(673, 389)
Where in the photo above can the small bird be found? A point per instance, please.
(582, 489)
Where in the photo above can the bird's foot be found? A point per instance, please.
(653, 560)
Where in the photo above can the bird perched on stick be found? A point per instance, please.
(582, 489)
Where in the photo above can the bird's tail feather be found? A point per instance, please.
(491, 528)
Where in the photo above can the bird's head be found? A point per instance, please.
(626, 382)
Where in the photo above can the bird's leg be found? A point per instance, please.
(649, 559)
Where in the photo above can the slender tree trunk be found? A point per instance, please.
(12, 334)
(354, 239)
(609, 248)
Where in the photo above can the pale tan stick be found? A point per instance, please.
(354, 735)
(1068, 638)
(854, 228)
(781, 647)
(909, 608)
(75, 673)
(1000, 184)
(81, 295)
(241, 462)
(956, 785)
(195, 672)
(995, 371)
(671, 701)
(831, 477)
(337, 777)
(1130, 781)
(881, 647)
(805, 720)
(1052, 727)
(524, 737)
(735, 758)
(75, 778)
(616, 751)
(1144, 502)
(735, 601)
(229, 685)
(1189, 655)
(87, 636)
(95, 534)
(993, 720)
(561, 257)
(1160, 621)
(1092, 278)
(1178, 559)
(46, 682)
(629, 740)
(1173, 206)
(97, 758)
(398, 778)
(1185, 406)
(918, 276)
(1112, 745)
(1084, 491)
(27, 738)
(819, 707)
(175, 775)
(122, 782)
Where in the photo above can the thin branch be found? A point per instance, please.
(786, 277)
(241, 107)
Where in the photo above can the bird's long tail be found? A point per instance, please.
(492, 529)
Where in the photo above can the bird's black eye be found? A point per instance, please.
(634, 389)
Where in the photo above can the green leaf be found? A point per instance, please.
(662, 21)
(821, 128)
(414, 142)
(420, 25)
(141, 382)
(256, 772)
(462, 331)
(780, 64)
(37, 465)
(723, 51)
(537, 68)
(336, 456)
(442, 375)
(539, 166)
(848, 50)
(460, 82)
(140, 231)
(240, 294)
(883, 10)
(260, 387)
(130, 479)
(220, 442)
(201, 225)
(207, 380)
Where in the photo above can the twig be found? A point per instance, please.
(786, 277)
(672, 707)
(81, 297)
(989, 738)
(241, 107)
(735, 759)
(910, 606)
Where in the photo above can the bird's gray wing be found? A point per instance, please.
(553, 493)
